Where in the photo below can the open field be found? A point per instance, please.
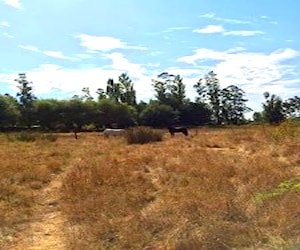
(226, 188)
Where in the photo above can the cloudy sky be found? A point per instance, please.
(65, 45)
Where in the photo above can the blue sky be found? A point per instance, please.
(65, 45)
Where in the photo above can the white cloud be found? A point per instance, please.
(57, 54)
(283, 54)
(235, 49)
(104, 43)
(171, 29)
(13, 3)
(243, 33)
(119, 62)
(29, 47)
(7, 35)
(4, 24)
(210, 29)
(54, 54)
(139, 73)
(255, 73)
(84, 56)
(225, 20)
(49, 77)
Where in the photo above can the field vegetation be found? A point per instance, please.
(219, 188)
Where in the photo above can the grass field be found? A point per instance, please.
(224, 188)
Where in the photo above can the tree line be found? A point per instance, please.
(116, 106)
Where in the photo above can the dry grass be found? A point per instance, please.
(233, 188)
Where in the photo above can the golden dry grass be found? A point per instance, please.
(232, 188)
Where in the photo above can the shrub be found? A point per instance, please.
(31, 137)
(142, 135)
(286, 129)
(22, 136)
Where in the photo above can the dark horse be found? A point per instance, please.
(174, 130)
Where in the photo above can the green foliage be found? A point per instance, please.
(282, 188)
(233, 105)
(128, 94)
(22, 136)
(120, 114)
(121, 91)
(158, 115)
(195, 114)
(292, 106)
(31, 137)
(170, 90)
(48, 113)
(227, 105)
(142, 135)
(26, 99)
(273, 112)
(9, 111)
(286, 129)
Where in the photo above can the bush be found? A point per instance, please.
(31, 137)
(142, 135)
(22, 136)
(286, 130)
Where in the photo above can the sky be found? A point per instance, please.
(66, 45)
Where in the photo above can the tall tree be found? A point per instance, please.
(177, 92)
(233, 105)
(26, 99)
(170, 90)
(128, 94)
(114, 90)
(161, 87)
(209, 91)
(273, 109)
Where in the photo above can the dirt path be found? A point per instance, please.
(45, 230)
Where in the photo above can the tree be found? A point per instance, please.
(86, 94)
(291, 107)
(113, 90)
(273, 109)
(258, 117)
(201, 91)
(195, 114)
(160, 87)
(48, 113)
(26, 99)
(9, 111)
(113, 114)
(121, 92)
(177, 92)
(128, 94)
(158, 115)
(233, 105)
(210, 92)
(101, 94)
(170, 90)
